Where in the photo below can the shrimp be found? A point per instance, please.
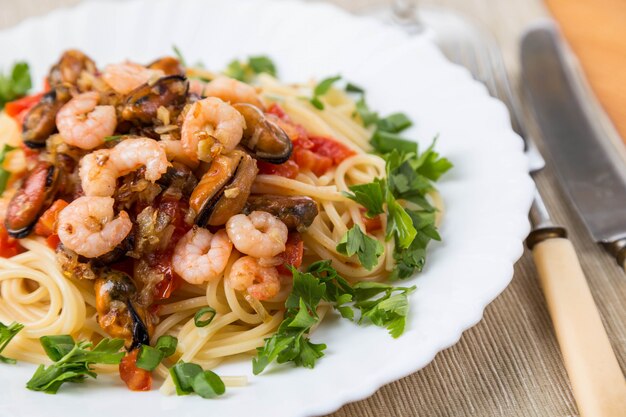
(232, 91)
(82, 123)
(246, 271)
(125, 77)
(258, 234)
(87, 226)
(211, 127)
(196, 86)
(99, 170)
(201, 256)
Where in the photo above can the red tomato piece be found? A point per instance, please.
(288, 169)
(21, 105)
(294, 251)
(47, 223)
(307, 159)
(136, 379)
(8, 246)
(161, 261)
(53, 241)
(372, 224)
(330, 148)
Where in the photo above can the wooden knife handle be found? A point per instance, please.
(597, 380)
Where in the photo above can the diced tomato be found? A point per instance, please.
(278, 111)
(294, 250)
(307, 159)
(330, 148)
(372, 224)
(136, 379)
(19, 108)
(316, 153)
(47, 223)
(161, 263)
(8, 246)
(288, 170)
(53, 241)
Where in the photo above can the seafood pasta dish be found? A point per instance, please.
(159, 219)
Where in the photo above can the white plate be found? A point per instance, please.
(487, 194)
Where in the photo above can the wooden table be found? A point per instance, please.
(509, 364)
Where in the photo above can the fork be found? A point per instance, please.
(564, 284)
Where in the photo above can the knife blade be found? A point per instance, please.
(592, 176)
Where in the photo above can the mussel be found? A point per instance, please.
(142, 103)
(118, 312)
(32, 199)
(296, 212)
(67, 71)
(40, 121)
(265, 139)
(178, 179)
(224, 189)
(169, 65)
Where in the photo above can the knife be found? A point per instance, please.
(595, 183)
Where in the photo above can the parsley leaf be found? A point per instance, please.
(353, 88)
(4, 174)
(72, 361)
(368, 117)
(370, 196)
(190, 377)
(384, 142)
(322, 88)
(431, 165)
(261, 63)
(394, 123)
(399, 223)
(291, 343)
(16, 84)
(388, 311)
(7, 333)
(367, 249)
(380, 304)
(246, 70)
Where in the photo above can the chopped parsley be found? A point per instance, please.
(380, 304)
(4, 174)
(7, 333)
(321, 89)
(15, 84)
(72, 361)
(367, 249)
(246, 70)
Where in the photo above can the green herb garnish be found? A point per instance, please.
(246, 70)
(113, 138)
(72, 361)
(150, 357)
(15, 84)
(322, 88)
(4, 174)
(7, 333)
(367, 249)
(179, 55)
(381, 304)
(197, 319)
(190, 377)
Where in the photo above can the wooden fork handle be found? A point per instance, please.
(597, 380)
